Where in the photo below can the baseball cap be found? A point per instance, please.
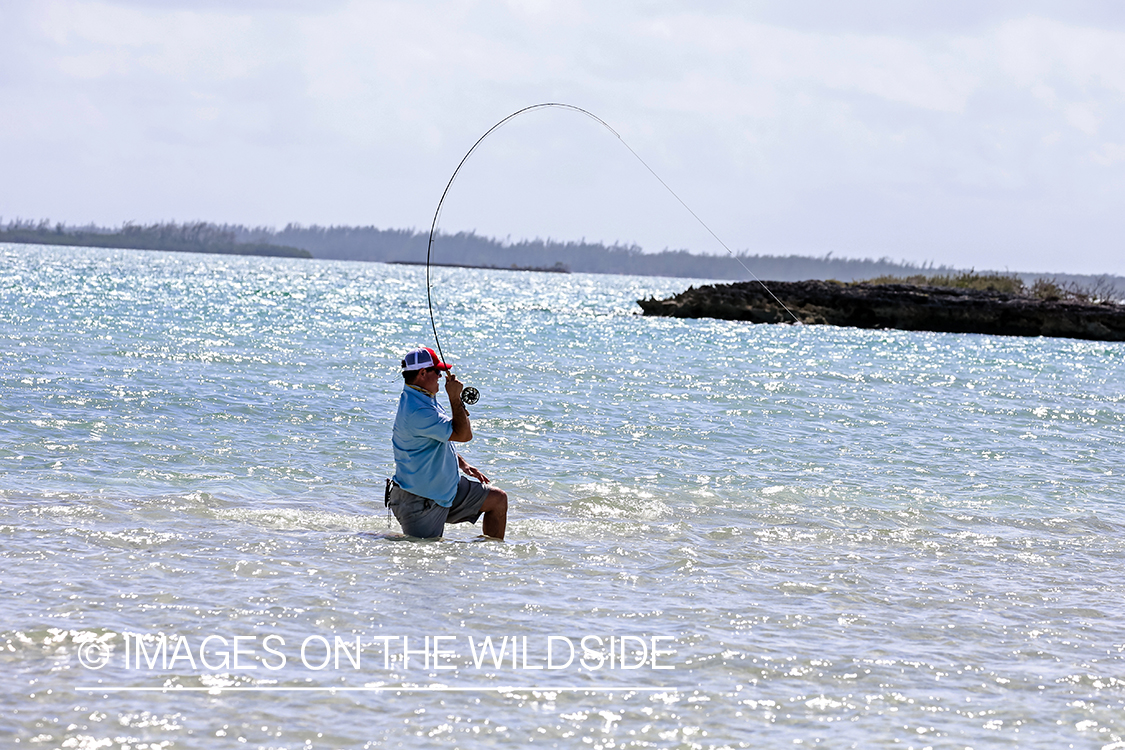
(420, 359)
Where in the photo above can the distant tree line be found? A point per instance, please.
(195, 237)
(468, 248)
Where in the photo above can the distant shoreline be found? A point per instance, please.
(408, 246)
(557, 268)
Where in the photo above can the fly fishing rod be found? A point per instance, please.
(471, 395)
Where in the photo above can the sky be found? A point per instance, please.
(985, 135)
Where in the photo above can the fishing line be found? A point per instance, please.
(472, 393)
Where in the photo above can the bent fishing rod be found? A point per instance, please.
(470, 395)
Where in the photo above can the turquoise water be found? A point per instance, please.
(801, 535)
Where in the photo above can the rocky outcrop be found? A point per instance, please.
(901, 306)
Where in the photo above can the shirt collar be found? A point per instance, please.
(423, 390)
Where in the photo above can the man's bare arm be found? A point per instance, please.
(471, 470)
(462, 429)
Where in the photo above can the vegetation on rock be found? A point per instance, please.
(1044, 288)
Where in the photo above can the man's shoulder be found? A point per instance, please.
(414, 398)
(415, 402)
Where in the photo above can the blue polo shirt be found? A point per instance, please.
(425, 461)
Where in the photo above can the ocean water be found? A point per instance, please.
(721, 535)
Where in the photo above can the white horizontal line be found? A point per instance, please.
(383, 689)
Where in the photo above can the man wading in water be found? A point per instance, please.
(428, 490)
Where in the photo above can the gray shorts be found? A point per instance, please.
(423, 518)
